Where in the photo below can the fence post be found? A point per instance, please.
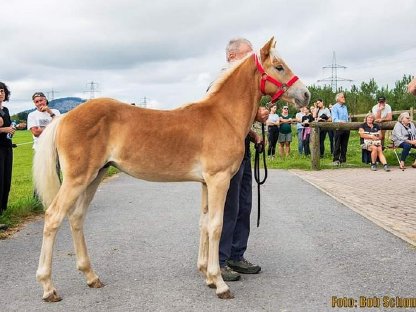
(411, 113)
(315, 150)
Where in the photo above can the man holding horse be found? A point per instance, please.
(236, 223)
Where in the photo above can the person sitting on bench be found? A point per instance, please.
(404, 136)
(370, 135)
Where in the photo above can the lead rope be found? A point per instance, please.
(259, 149)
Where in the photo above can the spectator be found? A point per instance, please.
(306, 131)
(404, 136)
(370, 134)
(382, 112)
(6, 152)
(237, 210)
(285, 132)
(323, 114)
(299, 129)
(272, 130)
(41, 117)
(340, 114)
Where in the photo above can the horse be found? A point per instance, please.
(209, 133)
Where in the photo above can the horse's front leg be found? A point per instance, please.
(217, 190)
(203, 239)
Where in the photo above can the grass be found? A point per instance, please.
(21, 201)
(296, 161)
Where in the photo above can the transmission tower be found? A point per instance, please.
(144, 103)
(92, 89)
(51, 94)
(334, 76)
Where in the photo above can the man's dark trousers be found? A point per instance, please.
(341, 138)
(236, 226)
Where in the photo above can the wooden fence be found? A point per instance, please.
(317, 126)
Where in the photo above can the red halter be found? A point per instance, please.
(281, 87)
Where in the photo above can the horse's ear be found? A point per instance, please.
(265, 51)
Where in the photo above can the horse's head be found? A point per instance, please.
(278, 79)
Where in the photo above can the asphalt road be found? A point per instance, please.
(143, 241)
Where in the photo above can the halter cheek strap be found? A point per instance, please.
(281, 87)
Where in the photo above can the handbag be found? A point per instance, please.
(367, 143)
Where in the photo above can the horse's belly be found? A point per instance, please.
(167, 173)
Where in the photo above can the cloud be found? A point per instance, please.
(169, 51)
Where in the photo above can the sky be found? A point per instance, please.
(166, 53)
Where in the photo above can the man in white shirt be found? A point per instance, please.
(382, 112)
(41, 117)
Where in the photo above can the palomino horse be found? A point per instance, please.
(105, 132)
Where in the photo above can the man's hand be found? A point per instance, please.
(262, 114)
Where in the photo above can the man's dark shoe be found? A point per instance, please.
(228, 275)
(243, 266)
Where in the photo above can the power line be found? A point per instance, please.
(92, 89)
(334, 73)
(51, 94)
(144, 102)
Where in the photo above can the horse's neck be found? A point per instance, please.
(238, 97)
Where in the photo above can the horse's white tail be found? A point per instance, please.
(45, 176)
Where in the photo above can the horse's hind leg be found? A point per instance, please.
(54, 215)
(76, 218)
(203, 240)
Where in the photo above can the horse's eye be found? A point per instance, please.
(279, 67)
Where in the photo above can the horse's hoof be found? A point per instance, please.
(53, 297)
(226, 295)
(96, 284)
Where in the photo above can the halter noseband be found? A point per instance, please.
(281, 87)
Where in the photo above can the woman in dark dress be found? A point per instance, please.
(6, 153)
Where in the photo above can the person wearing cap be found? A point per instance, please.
(382, 112)
(6, 152)
(41, 117)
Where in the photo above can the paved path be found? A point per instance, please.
(143, 241)
(386, 198)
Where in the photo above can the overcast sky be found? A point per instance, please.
(169, 51)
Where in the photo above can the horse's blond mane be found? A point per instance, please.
(217, 83)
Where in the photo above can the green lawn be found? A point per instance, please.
(21, 201)
(295, 161)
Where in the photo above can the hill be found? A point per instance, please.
(64, 105)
